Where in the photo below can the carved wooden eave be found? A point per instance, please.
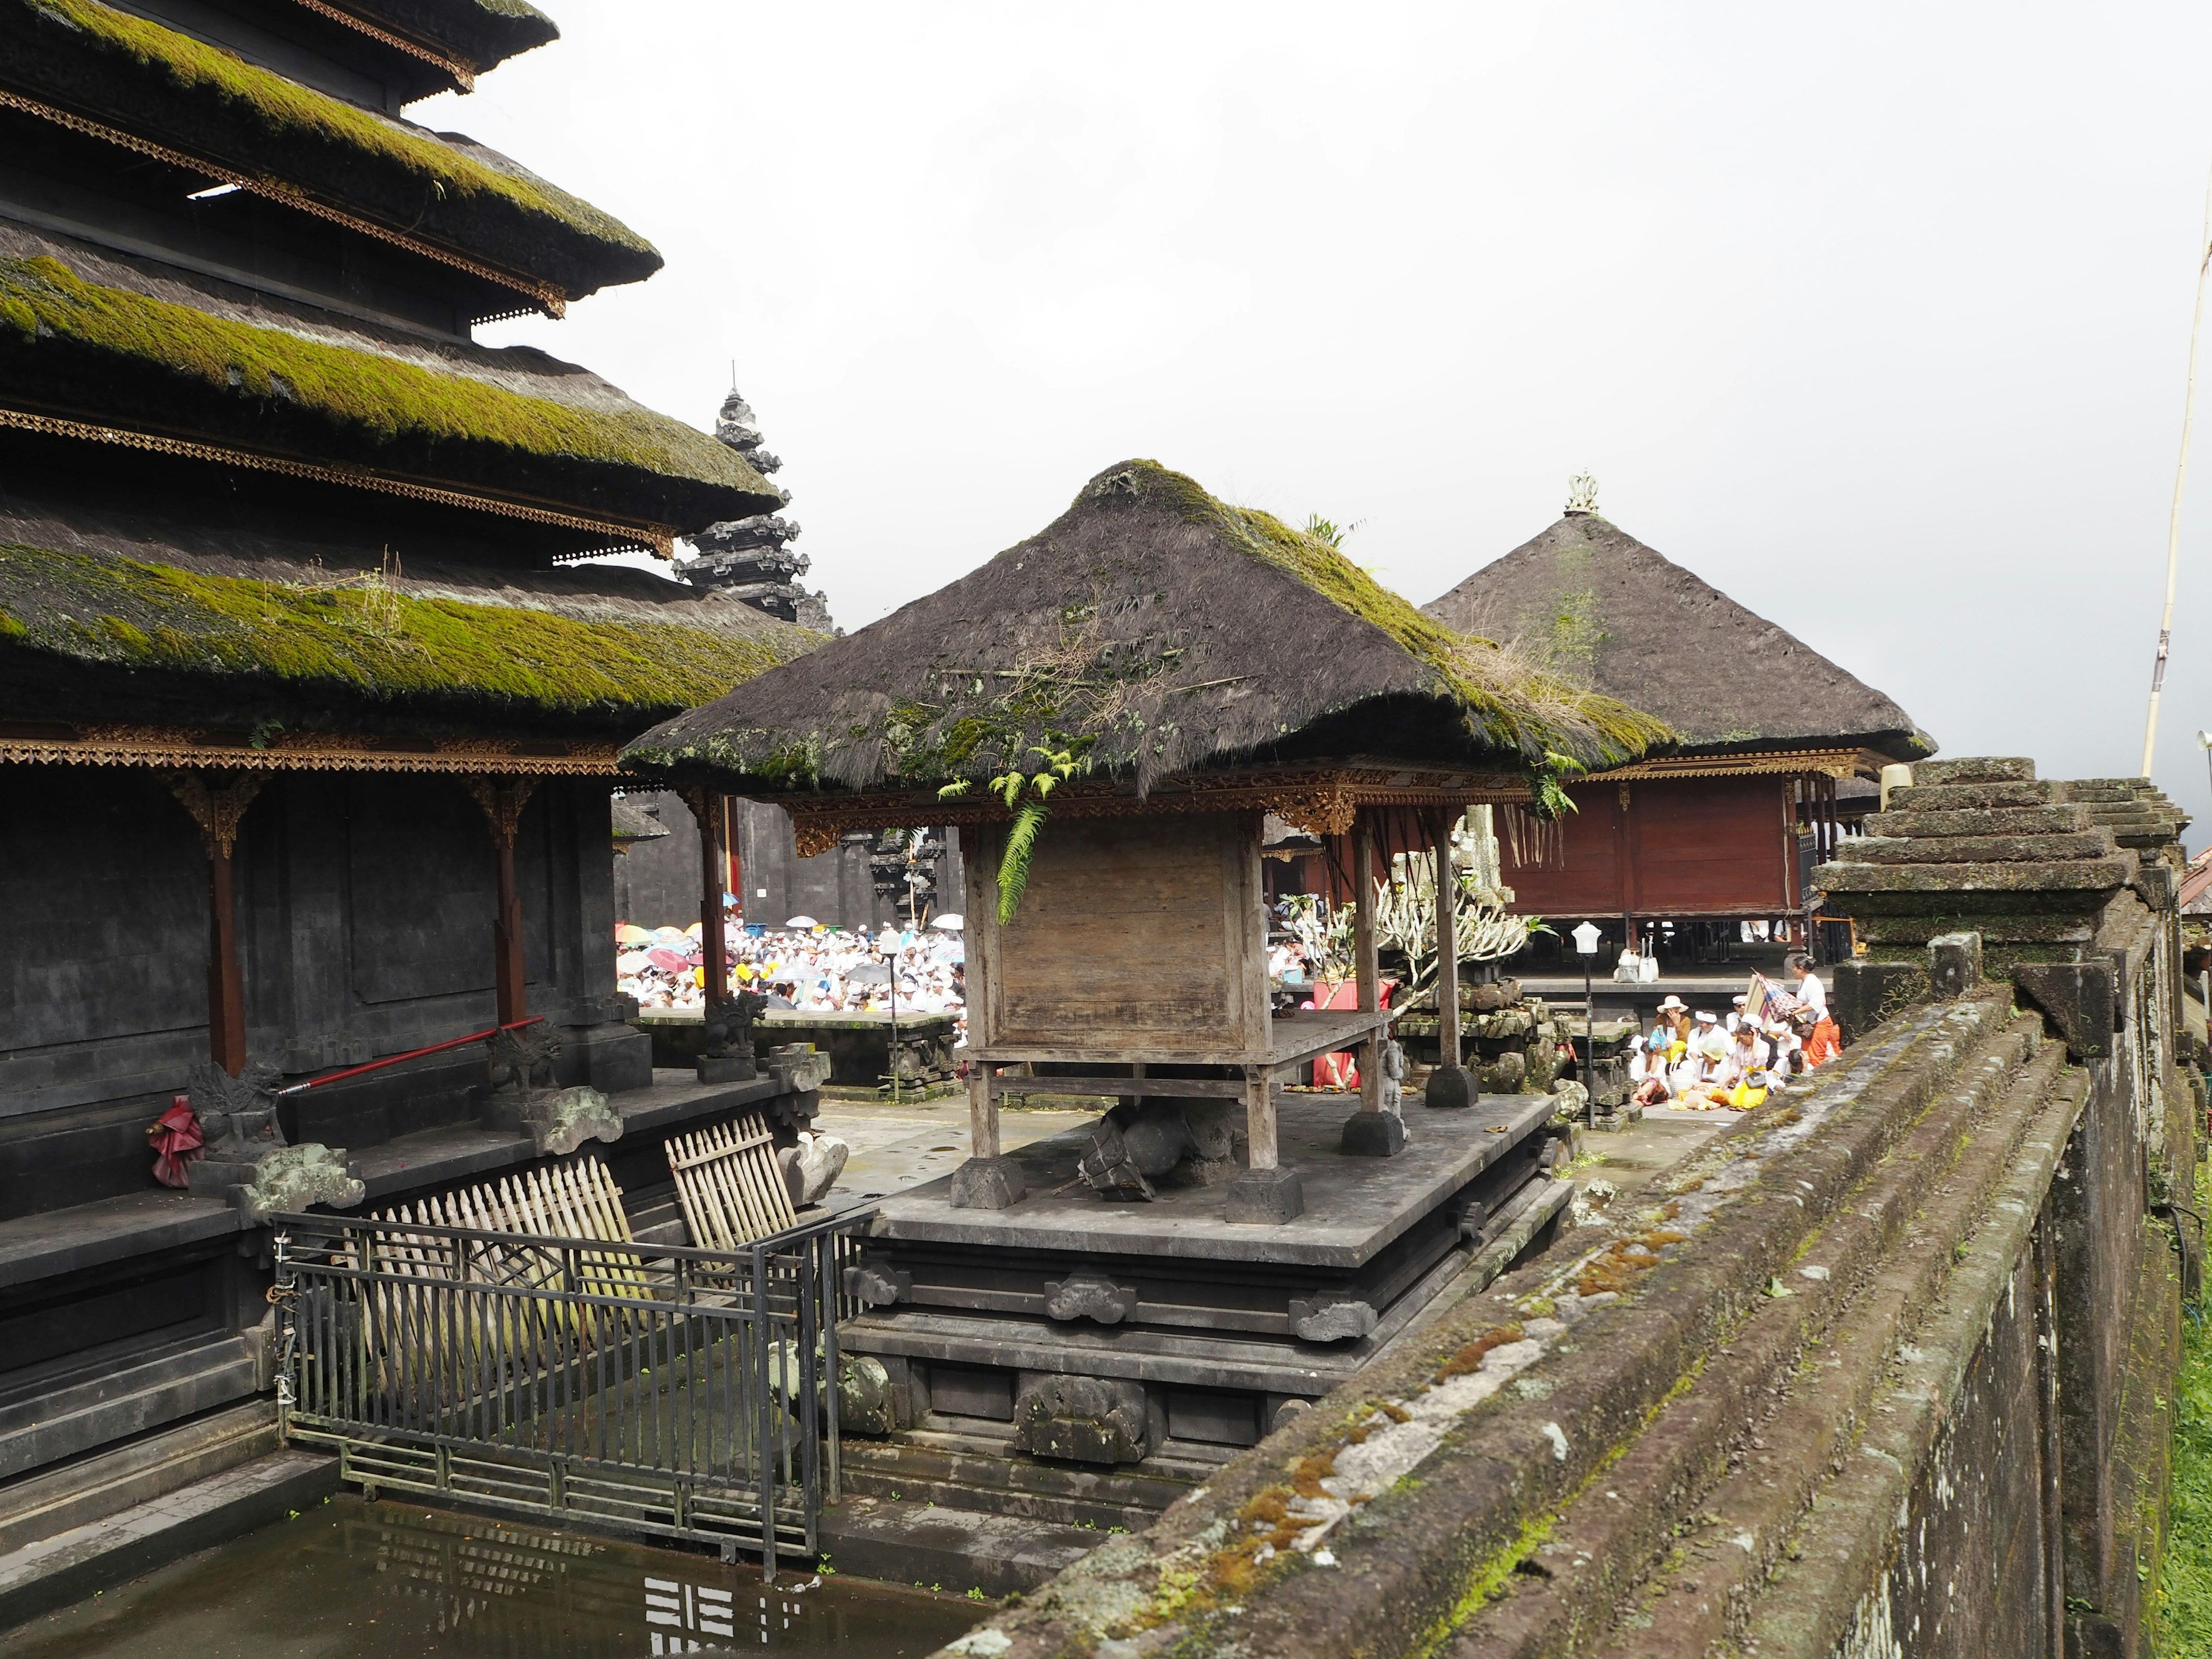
(1781, 762)
(611, 535)
(178, 748)
(1322, 802)
(540, 296)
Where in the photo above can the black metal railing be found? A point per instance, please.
(651, 1388)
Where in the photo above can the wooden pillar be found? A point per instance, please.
(982, 1113)
(1447, 944)
(1259, 1116)
(1366, 962)
(707, 807)
(217, 801)
(502, 800)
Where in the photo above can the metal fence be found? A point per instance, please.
(685, 1392)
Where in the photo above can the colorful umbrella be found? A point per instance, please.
(673, 961)
(631, 934)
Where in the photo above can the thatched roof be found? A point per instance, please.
(1604, 610)
(117, 615)
(141, 345)
(157, 84)
(1154, 631)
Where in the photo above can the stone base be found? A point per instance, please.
(1266, 1198)
(1619, 1119)
(1450, 1089)
(727, 1068)
(1373, 1134)
(987, 1184)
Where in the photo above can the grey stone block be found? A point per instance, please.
(1867, 993)
(1332, 1319)
(1450, 1089)
(727, 1068)
(2079, 998)
(1373, 1134)
(1265, 1198)
(874, 1286)
(1086, 1419)
(987, 1184)
(1090, 1296)
(1975, 769)
(1954, 964)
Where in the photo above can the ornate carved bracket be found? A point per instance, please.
(502, 800)
(216, 801)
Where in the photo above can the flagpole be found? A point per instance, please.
(2180, 479)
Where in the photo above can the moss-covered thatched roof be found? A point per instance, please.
(1156, 632)
(1602, 610)
(162, 358)
(478, 32)
(161, 85)
(602, 648)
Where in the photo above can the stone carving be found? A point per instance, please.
(811, 1167)
(290, 1178)
(1090, 1296)
(561, 1119)
(800, 1068)
(726, 1048)
(1108, 1168)
(1325, 1318)
(875, 1285)
(1163, 1142)
(522, 1060)
(865, 1403)
(1088, 1420)
(237, 1115)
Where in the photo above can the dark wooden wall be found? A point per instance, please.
(1682, 847)
(365, 909)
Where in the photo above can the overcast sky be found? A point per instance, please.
(1876, 318)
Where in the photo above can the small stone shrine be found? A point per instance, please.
(1106, 711)
(752, 558)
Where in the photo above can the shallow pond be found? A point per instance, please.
(354, 1580)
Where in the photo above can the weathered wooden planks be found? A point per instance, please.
(728, 1182)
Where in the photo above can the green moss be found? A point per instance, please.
(2184, 1618)
(381, 400)
(367, 639)
(1509, 717)
(283, 108)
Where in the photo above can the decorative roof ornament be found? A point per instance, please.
(1582, 494)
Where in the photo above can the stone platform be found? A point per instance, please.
(1105, 1331)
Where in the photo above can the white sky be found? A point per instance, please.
(1874, 317)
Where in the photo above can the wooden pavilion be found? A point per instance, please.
(309, 712)
(1720, 827)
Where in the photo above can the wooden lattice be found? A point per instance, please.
(729, 1184)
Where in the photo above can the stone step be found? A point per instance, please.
(1958, 797)
(1982, 849)
(2062, 819)
(73, 1565)
(45, 1419)
(92, 1488)
(948, 1549)
(2066, 875)
(1061, 1511)
(1975, 769)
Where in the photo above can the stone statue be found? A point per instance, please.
(726, 1044)
(237, 1115)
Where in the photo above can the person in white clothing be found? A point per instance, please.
(1810, 991)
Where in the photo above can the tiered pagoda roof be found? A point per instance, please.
(254, 473)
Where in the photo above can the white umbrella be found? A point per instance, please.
(951, 921)
(802, 921)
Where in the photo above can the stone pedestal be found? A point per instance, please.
(1266, 1198)
(1374, 1134)
(987, 1184)
(1450, 1089)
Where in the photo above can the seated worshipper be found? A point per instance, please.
(1649, 1058)
(1675, 1018)
(1735, 1015)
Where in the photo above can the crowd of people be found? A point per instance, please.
(1704, 1062)
(810, 968)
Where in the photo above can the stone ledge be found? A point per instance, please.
(1993, 821)
(1926, 849)
(1956, 797)
(1975, 769)
(2099, 875)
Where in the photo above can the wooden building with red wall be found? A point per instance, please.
(1717, 829)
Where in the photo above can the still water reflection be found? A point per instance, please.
(351, 1580)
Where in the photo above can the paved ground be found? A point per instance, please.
(1631, 1157)
(896, 1147)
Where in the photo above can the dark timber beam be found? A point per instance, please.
(217, 801)
(502, 800)
(706, 806)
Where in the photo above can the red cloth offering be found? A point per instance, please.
(1341, 1071)
(177, 1141)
